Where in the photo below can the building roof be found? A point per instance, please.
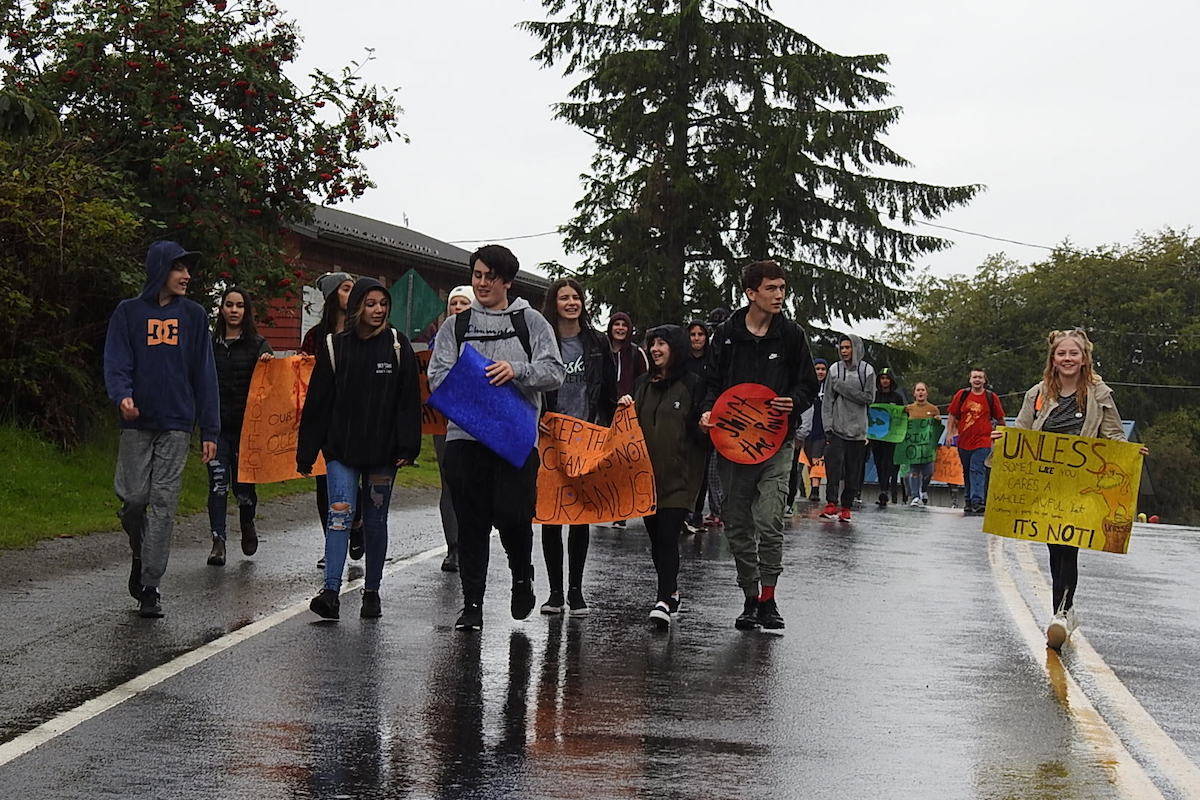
(342, 226)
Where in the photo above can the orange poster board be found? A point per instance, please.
(947, 468)
(814, 471)
(590, 474)
(433, 422)
(267, 451)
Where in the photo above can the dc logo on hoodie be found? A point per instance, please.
(162, 331)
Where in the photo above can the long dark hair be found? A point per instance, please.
(249, 329)
(550, 304)
(330, 310)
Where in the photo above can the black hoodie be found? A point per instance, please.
(363, 408)
(668, 410)
(779, 359)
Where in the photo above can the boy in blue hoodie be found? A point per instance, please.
(160, 374)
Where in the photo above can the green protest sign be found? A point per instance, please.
(920, 442)
(414, 304)
(886, 422)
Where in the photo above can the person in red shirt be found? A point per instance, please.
(973, 414)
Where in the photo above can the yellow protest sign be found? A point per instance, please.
(271, 426)
(1048, 487)
(590, 474)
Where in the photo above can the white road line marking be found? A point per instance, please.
(53, 728)
(1124, 771)
(1161, 748)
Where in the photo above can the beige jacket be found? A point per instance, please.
(1100, 418)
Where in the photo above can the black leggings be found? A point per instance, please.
(1064, 575)
(794, 482)
(885, 468)
(552, 549)
(664, 528)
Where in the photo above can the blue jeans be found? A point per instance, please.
(344, 496)
(918, 478)
(222, 473)
(974, 473)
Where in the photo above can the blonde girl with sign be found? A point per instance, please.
(668, 402)
(1070, 399)
(589, 393)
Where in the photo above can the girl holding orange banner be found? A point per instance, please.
(668, 400)
(1070, 399)
(589, 393)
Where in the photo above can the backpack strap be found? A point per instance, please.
(520, 330)
(329, 346)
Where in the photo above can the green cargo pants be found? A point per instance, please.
(755, 497)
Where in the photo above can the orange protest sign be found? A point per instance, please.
(433, 422)
(947, 468)
(746, 429)
(591, 474)
(267, 451)
(814, 470)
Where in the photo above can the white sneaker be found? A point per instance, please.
(1060, 628)
(916, 502)
(660, 615)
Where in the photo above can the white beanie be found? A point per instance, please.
(461, 291)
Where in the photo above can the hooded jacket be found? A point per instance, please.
(162, 356)
(543, 372)
(668, 411)
(630, 360)
(895, 396)
(363, 407)
(779, 359)
(849, 389)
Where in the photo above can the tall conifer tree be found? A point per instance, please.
(723, 135)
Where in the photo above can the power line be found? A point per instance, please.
(1052, 249)
(504, 238)
(1151, 385)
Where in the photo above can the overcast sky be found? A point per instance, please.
(1080, 117)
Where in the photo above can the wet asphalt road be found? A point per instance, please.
(903, 673)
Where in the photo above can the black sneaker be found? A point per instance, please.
(883, 500)
(249, 538)
(673, 603)
(471, 618)
(814, 494)
(326, 604)
(660, 615)
(523, 598)
(450, 562)
(555, 604)
(135, 579)
(371, 608)
(356, 543)
(149, 604)
(769, 619)
(216, 558)
(575, 601)
(748, 619)
(321, 563)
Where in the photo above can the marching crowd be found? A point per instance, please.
(167, 372)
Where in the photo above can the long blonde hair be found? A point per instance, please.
(1051, 384)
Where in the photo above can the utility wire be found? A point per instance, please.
(503, 238)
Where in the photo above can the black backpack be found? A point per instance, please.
(520, 330)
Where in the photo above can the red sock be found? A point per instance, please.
(768, 593)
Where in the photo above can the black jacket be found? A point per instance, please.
(669, 414)
(600, 375)
(235, 362)
(364, 408)
(779, 359)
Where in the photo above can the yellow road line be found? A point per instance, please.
(1172, 762)
(1123, 770)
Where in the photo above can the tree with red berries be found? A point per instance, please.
(190, 100)
(124, 122)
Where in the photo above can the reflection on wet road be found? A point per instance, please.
(907, 670)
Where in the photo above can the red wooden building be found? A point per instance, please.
(338, 241)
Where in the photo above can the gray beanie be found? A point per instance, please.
(328, 283)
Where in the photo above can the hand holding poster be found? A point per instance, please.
(886, 422)
(267, 449)
(920, 442)
(1049, 487)
(747, 430)
(591, 474)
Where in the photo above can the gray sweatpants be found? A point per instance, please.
(445, 505)
(755, 497)
(148, 479)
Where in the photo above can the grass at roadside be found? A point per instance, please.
(46, 493)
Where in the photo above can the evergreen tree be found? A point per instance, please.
(724, 136)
